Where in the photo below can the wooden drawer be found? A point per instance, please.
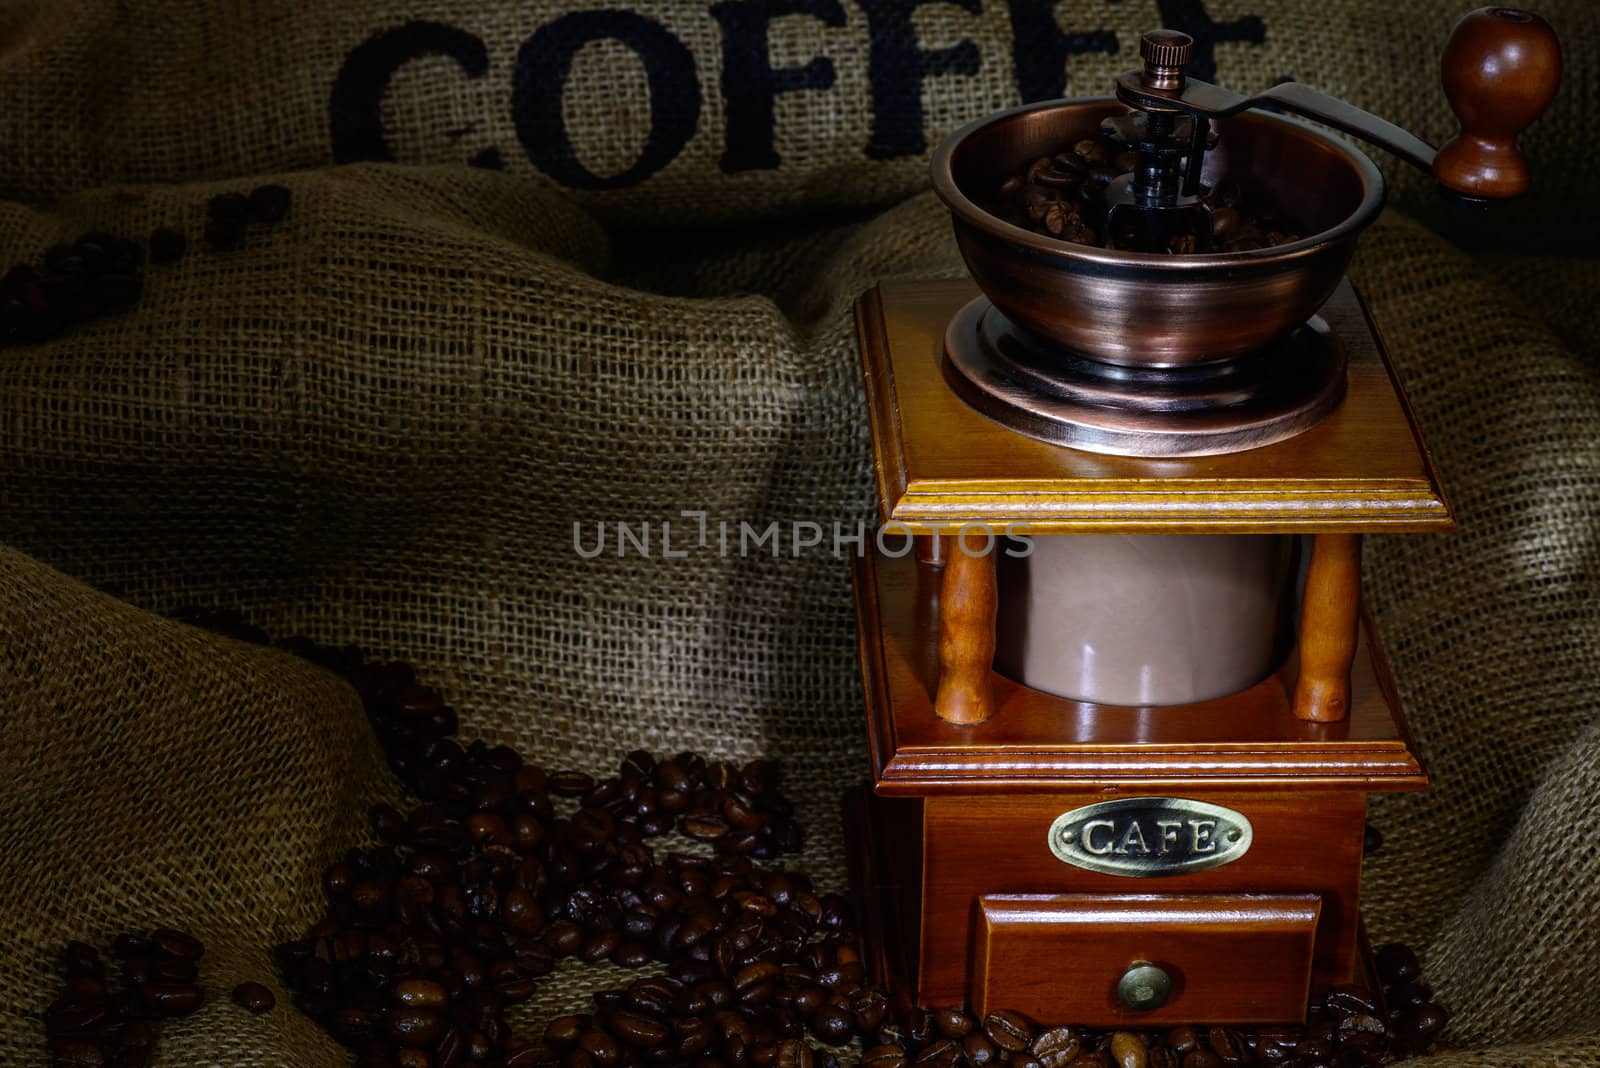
(1232, 958)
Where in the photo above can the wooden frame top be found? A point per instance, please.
(1037, 741)
(941, 464)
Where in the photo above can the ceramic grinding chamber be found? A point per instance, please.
(1121, 757)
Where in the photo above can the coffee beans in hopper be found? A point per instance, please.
(480, 887)
(1063, 196)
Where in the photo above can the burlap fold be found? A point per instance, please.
(397, 417)
(381, 420)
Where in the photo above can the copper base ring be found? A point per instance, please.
(1066, 398)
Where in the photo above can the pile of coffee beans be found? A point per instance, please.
(91, 1024)
(504, 868)
(1064, 196)
(229, 215)
(101, 274)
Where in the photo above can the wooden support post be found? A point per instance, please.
(1329, 619)
(932, 549)
(967, 605)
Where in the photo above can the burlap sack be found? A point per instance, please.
(664, 110)
(382, 420)
(157, 774)
(379, 424)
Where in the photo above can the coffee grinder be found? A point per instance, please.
(1123, 704)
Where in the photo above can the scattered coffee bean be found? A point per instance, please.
(1128, 1051)
(1396, 963)
(268, 203)
(253, 997)
(89, 1024)
(1056, 1047)
(1008, 1030)
(1228, 1045)
(952, 1022)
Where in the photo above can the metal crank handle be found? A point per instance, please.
(1500, 70)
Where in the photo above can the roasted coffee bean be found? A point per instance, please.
(564, 938)
(68, 1016)
(80, 958)
(1346, 1000)
(128, 944)
(167, 245)
(705, 826)
(604, 1049)
(600, 945)
(571, 784)
(253, 997)
(631, 955)
(1229, 1045)
(1092, 1059)
(941, 1053)
(520, 911)
(833, 1024)
(1409, 995)
(1128, 1051)
(1201, 1058)
(884, 1056)
(1056, 1047)
(76, 1052)
(268, 203)
(564, 1031)
(530, 1056)
(84, 988)
(1095, 151)
(174, 969)
(1396, 964)
(421, 994)
(172, 999)
(870, 1007)
(1429, 1020)
(177, 943)
(1183, 1039)
(135, 1034)
(978, 1051)
(793, 1053)
(387, 823)
(1360, 1022)
(419, 1028)
(1159, 1056)
(952, 1022)
(639, 1029)
(1008, 1030)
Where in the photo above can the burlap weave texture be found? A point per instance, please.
(380, 422)
(383, 436)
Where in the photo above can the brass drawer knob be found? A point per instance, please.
(1144, 987)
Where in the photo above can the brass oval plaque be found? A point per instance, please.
(1143, 837)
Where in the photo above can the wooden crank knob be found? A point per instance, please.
(1500, 69)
